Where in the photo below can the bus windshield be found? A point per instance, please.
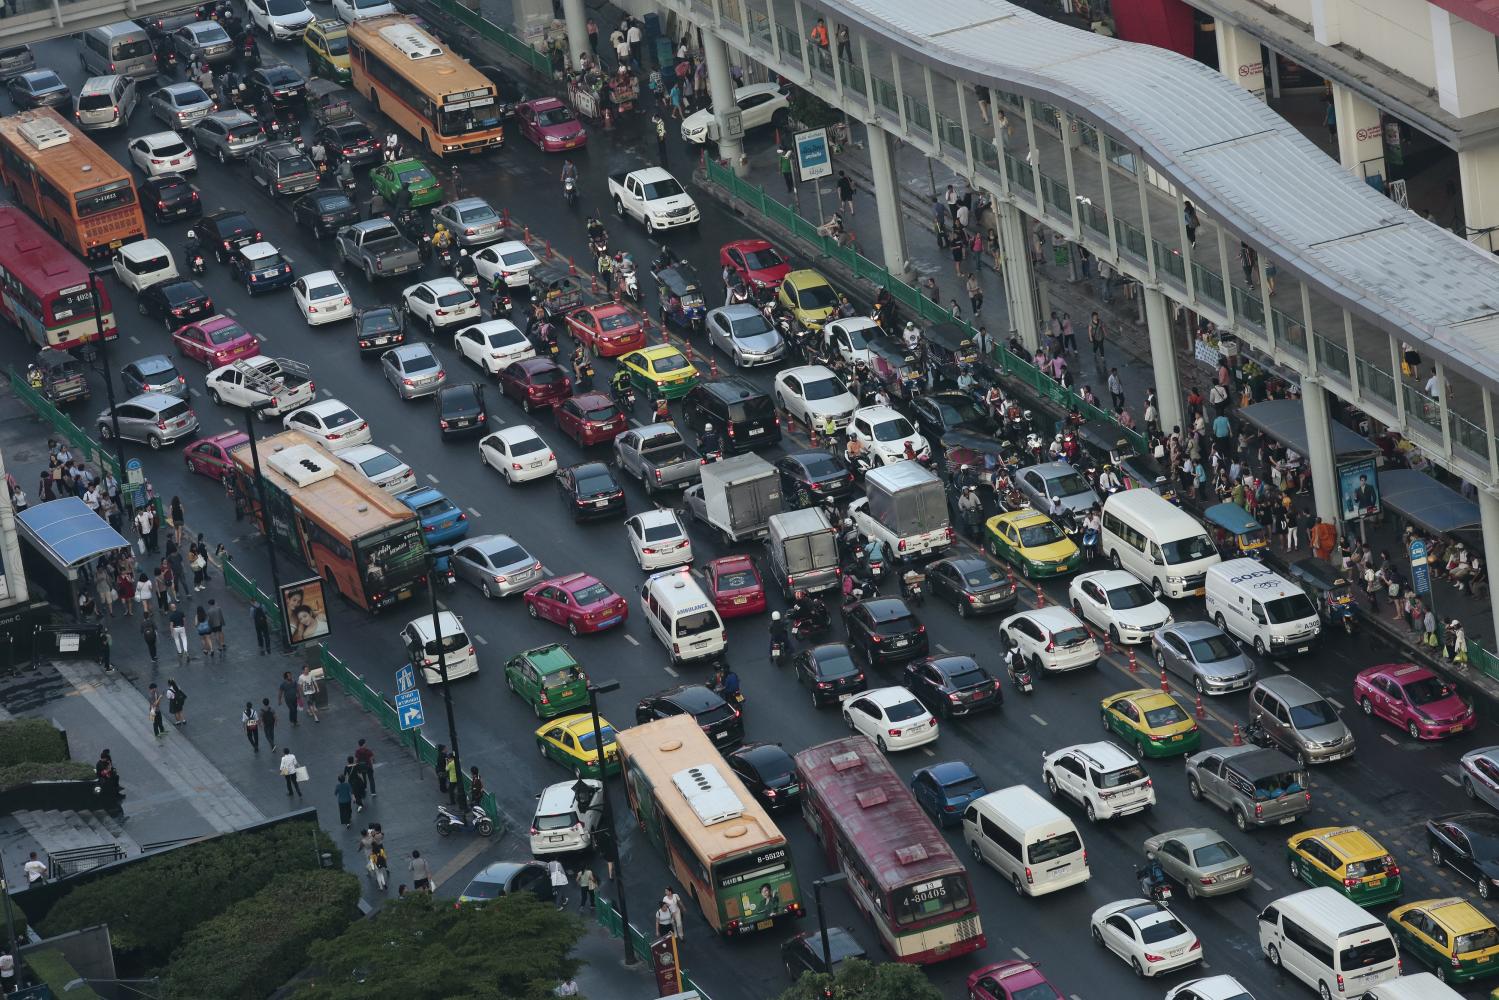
(932, 898)
(462, 121)
(114, 195)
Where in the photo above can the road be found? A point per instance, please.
(1390, 787)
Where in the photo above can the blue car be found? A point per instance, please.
(944, 790)
(260, 267)
(442, 521)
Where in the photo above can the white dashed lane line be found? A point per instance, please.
(1452, 781)
(632, 640)
(1392, 741)
(482, 641)
(1039, 721)
(1021, 955)
(474, 512)
(432, 478)
(394, 449)
(134, 339)
(671, 671)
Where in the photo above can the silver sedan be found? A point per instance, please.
(497, 564)
(413, 370)
(1200, 652)
(744, 334)
(1200, 861)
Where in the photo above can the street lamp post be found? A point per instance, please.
(822, 921)
(434, 556)
(607, 820)
(265, 512)
(109, 382)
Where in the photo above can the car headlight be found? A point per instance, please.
(1177, 580)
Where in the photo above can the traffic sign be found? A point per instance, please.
(1420, 570)
(409, 710)
(405, 679)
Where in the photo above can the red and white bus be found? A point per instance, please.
(44, 287)
(900, 870)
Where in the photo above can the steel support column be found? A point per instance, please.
(1488, 512)
(1321, 459)
(887, 200)
(1020, 293)
(577, 30)
(721, 92)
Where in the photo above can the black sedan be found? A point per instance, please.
(505, 878)
(939, 413)
(169, 197)
(40, 88)
(809, 477)
(1469, 843)
(769, 773)
(460, 409)
(176, 302)
(828, 670)
(352, 140)
(277, 84)
(227, 231)
(953, 685)
(883, 630)
(378, 327)
(590, 490)
(720, 720)
(972, 585)
(324, 212)
(803, 953)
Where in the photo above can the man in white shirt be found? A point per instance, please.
(36, 870)
(1433, 387)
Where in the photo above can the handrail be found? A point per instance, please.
(72, 858)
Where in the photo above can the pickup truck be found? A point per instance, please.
(286, 384)
(737, 496)
(657, 456)
(378, 248)
(905, 506)
(654, 198)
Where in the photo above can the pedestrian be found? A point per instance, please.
(1116, 389)
(421, 872)
(177, 621)
(267, 716)
(786, 168)
(216, 626)
(975, 293)
(588, 887)
(145, 526)
(950, 199)
(153, 700)
(1190, 221)
(287, 694)
(1218, 396)
(148, 633)
(251, 721)
(659, 126)
(1330, 119)
(200, 617)
(36, 869)
(1069, 339)
(344, 795)
(364, 759)
(307, 686)
(957, 248)
(635, 36)
(673, 902)
(197, 561)
(176, 700)
(664, 924)
(7, 960)
(262, 627)
(288, 770)
(559, 879)
(845, 193)
(144, 588)
(179, 519)
(447, 777)
(356, 782)
(939, 222)
(179, 570)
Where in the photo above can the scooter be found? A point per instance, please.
(813, 626)
(570, 191)
(476, 819)
(598, 245)
(197, 264)
(627, 279)
(1020, 674)
(1153, 882)
(777, 652)
(913, 587)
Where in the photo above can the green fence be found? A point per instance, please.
(608, 917)
(493, 33)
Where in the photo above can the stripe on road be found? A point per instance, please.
(394, 449)
(482, 641)
(1452, 781)
(1039, 721)
(432, 478)
(1021, 955)
(460, 861)
(671, 671)
(632, 640)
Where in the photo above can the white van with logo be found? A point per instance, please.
(1250, 601)
(682, 616)
(1165, 547)
(1026, 839)
(1329, 942)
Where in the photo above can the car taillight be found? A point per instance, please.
(823, 685)
(407, 381)
(954, 697)
(876, 639)
(1340, 982)
(1350, 882)
(1208, 880)
(1029, 878)
(513, 465)
(902, 545)
(161, 206)
(1156, 958)
(1051, 644)
(161, 425)
(1390, 867)
(195, 196)
(470, 231)
(545, 698)
(1259, 810)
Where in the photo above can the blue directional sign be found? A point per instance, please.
(813, 159)
(409, 709)
(405, 679)
(1420, 571)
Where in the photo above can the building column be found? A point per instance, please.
(577, 30)
(1360, 134)
(1168, 385)
(1020, 291)
(1239, 57)
(887, 200)
(1488, 514)
(1321, 459)
(721, 92)
(1478, 170)
(13, 588)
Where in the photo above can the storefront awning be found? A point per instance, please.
(1433, 506)
(67, 532)
(1285, 421)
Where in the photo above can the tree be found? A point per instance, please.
(859, 980)
(511, 948)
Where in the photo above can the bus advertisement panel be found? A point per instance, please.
(44, 289)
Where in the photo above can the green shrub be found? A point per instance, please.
(260, 942)
(151, 906)
(13, 775)
(31, 741)
(811, 111)
(52, 968)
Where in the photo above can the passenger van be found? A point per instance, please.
(105, 102)
(1328, 942)
(1027, 839)
(141, 264)
(458, 654)
(1247, 599)
(1421, 986)
(682, 616)
(1299, 720)
(123, 48)
(1164, 546)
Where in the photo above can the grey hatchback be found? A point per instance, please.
(413, 370)
(152, 417)
(153, 373)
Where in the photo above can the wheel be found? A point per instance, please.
(1134, 963)
(485, 827)
(1190, 889)
(1019, 886)
(541, 747)
(1484, 888)
(1198, 686)
(1114, 560)
(218, 400)
(1097, 936)
(222, 156)
(1194, 789)
(572, 627)
(1157, 589)
(1259, 646)
(1051, 784)
(1414, 730)
(963, 610)
(1103, 717)
(1273, 954)
(484, 589)
(1025, 570)
(619, 208)
(849, 721)
(1468, 788)
(369, 272)
(525, 404)
(1220, 623)
(1367, 706)
(510, 682)
(1114, 636)
(141, 305)
(432, 327)
(1436, 855)
(1441, 972)
(443, 827)
(166, 323)
(650, 228)
(879, 741)
(154, 442)
(531, 610)
(1324, 992)
(816, 702)
(1092, 813)
(1077, 609)
(1241, 820)
(1295, 867)
(1140, 747)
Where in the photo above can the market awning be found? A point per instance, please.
(67, 532)
(1285, 420)
(1423, 501)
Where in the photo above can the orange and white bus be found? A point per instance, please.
(44, 289)
(431, 92)
(78, 191)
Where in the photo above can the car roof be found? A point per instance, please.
(232, 117)
(1351, 843)
(491, 543)
(949, 663)
(1049, 469)
(1052, 616)
(185, 87)
(323, 276)
(805, 277)
(1144, 697)
(1110, 579)
(1486, 823)
(591, 469)
(762, 754)
(153, 400)
(550, 658)
(258, 251)
(594, 398)
(533, 365)
(417, 350)
(580, 722)
(446, 619)
(964, 563)
(444, 285)
(324, 407)
(739, 310)
(152, 363)
(733, 388)
(829, 650)
(1023, 518)
(749, 244)
(421, 495)
(659, 516)
(879, 412)
(1456, 914)
(517, 433)
(1105, 755)
(362, 453)
(576, 582)
(140, 249)
(691, 697)
(805, 372)
(1195, 630)
(949, 771)
(888, 696)
(660, 351)
(226, 439)
(510, 246)
(731, 563)
(885, 609)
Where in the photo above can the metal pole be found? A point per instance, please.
(109, 382)
(10, 920)
(265, 516)
(822, 928)
(608, 818)
(442, 667)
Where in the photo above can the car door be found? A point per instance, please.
(1459, 854)
(1210, 780)
(924, 790)
(1094, 603)
(1034, 487)
(1175, 655)
(1123, 715)
(863, 714)
(793, 396)
(632, 527)
(1175, 861)
(1487, 786)
(1119, 936)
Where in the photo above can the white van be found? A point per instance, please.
(141, 264)
(682, 616)
(1421, 986)
(1163, 545)
(1328, 942)
(1027, 839)
(458, 654)
(1247, 599)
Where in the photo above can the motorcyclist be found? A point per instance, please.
(1014, 661)
(854, 453)
(1150, 876)
(596, 229)
(911, 338)
(874, 554)
(664, 260)
(845, 307)
(848, 540)
(1058, 509)
(1092, 535)
(619, 383)
(780, 635)
(345, 173)
(191, 245)
(1108, 481)
(805, 607)
(464, 266)
(442, 237)
(970, 509)
(569, 171)
(738, 294)
(708, 442)
(726, 683)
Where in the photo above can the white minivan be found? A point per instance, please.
(1163, 545)
(1328, 942)
(1421, 986)
(1027, 839)
(682, 616)
(1252, 602)
(458, 655)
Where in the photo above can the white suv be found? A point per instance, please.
(1050, 639)
(1100, 777)
(439, 304)
(562, 823)
(884, 431)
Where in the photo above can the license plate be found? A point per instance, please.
(1286, 819)
(555, 840)
(1303, 649)
(535, 465)
(1376, 882)
(464, 423)
(1176, 738)
(608, 621)
(756, 430)
(1482, 958)
(180, 211)
(116, 244)
(446, 524)
(721, 736)
(898, 643)
(766, 925)
(741, 600)
(1200, 591)
(601, 503)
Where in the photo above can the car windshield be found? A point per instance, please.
(1293, 608)
(43, 80)
(759, 260)
(1162, 930)
(617, 321)
(820, 296)
(561, 821)
(1134, 595)
(133, 50)
(1166, 715)
(594, 593)
(698, 623)
(1035, 535)
(480, 889)
(188, 96)
(1426, 690)
(893, 430)
(1313, 714)
(834, 664)
(661, 532)
(736, 579)
(825, 388)
(225, 334)
(1362, 956)
(599, 482)
(1213, 648)
(170, 149)
(717, 713)
(509, 556)
(930, 898)
(665, 188)
(380, 464)
(212, 34)
(1188, 549)
(418, 363)
(1214, 854)
(435, 509)
(904, 710)
(969, 678)
(602, 414)
(1118, 779)
(587, 742)
(528, 446)
(1477, 941)
(462, 297)
(669, 363)
(555, 116)
(338, 45)
(325, 291)
(1052, 848)
(93, 102)
(379, 320)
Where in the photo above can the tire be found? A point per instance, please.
(1114, 636)
(1051, 785)
(1194, 789)
(154, 442)
(443, 827)
(432, 327)
(1019, 886)
(572, 628)
(1324, 992)
(1114, 560)
(1157, 589)
(1140, 747)
(1241, 819)
(1273, 954)
(1484, 888)
(485, 827)
(1134, 963)
(1367, 706)
(619, 208)
(1103, 717)
(106, 433)
(1468, 789)
(531, 610)
(1097, 936)
(369, 272)
(879, 741)
(484, 589)
(141, 305)
(1259, 646)
(1414, 730)
(1220, 623)
(963, 611)
(816, 702)
(223, 157)
(1294, 867)
(1091, 813)
(218, 400)
(1077, 609)
(848, 720)
(541, 747)
(1197, 686)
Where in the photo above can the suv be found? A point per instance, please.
(742, 413)
(884, 630)
(1100, 777)
(153, 417)
(226, 231)
(1285, 712)
(277, 84)
(228, 135)
(563, 822)
(282, 169)
(1257, 787)
(105, 102)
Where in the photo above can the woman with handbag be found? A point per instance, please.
(292, 772)
(197, 561)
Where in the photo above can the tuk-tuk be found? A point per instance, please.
(1328, 589)
(984, 464)
(1143, 470)
(329, 102)
(948, 346)
(679, 281)
(58, 376)
(558, 295)
(1104, 440)
(898, 372)
(1235, 531)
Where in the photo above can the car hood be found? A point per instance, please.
(1231, 667)
(674, 202)
(1444, 709)
(1059, 551)
(836, 406)
(1333, 732)
(759, 343)
(697, 121)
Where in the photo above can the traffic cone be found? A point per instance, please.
(593, 284)
(1134, 667)
(547, 253)
(525, 234)
(1165, 684)
(687, 351)
(1010, 576)
(1238, 737)
(713, 368)
(1040, 598)
(812, 434)
(1108, 643)
(505, 218)
(1202, 713)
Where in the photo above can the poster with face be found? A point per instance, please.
(304, 609)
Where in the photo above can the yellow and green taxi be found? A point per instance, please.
(1451, 935)
(548, 679)
(327, 44)
(411, 174)
(1347, 859)
(660, 370)
(809, 296)
(570, 742)
(1152, 722)
(1032, 542)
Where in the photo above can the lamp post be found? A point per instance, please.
(822, 921)
(129, 984)
(109, 382)
(434, 556)
(265, 512)
(606, 822)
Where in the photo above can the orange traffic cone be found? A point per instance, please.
(505, 218)
(547, 253)
(1165, 684)
(1238, 738)
(687, 350)
(1040, 598)
(713, 368)
(812, 434)
(1134, 667)
(1202, 713)
(1108, 643)
(593, 284)
(525, 234)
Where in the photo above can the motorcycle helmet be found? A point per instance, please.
(775, 616)
(707, 428)
(1058, 439)
(801, 595)
(848, 522)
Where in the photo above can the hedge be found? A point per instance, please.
(31, 741)
(53, 968)
(261, 942)
(15, 775)
(152, 905)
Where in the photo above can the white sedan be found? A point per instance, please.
(891, 716)
(884, 432)
(759, 104)
(380, 467)
(279, 19)
(322, 298)
(814, 393)
(1145, 934)
(1118, 603)
(350, 11)
(331, 422)
(519, 454)
(658, 539)
(1211, 988)
(511, 262)
(439, 303)
(162, 153)
(493, 345)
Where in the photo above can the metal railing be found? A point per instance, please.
(608, 918)
(493, 33)
(61, 864)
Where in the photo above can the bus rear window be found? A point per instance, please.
(75, 305)
(103, 199)
(912, 903)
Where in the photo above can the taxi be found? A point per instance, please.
(209, 456)
(609, 329)
(570, 742)
(661, 369)
(327, 44)
(1346, 859)
(735, 586)
(1152, 722)
(548, 679)
(809, 296)
(389, 178)
(1032, 542)
(1451, 935)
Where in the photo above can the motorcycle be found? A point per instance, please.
(598, 245)
(349, 184)
(913, 587)
(1153, 882)
(628, 282)
(197, 264)
(570, 191)
(1020, 674)
(445, 257)
(814, 625)
(777, 652)
(871, 569)
(583, 376)
(475, 818)
(624, 398)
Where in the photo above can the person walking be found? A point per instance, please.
(421, 872)
(177, 621)
(104, 587)
(307, 687)
(36, 870)
(588, 887)
(447, 773)
(288, 770)
(262, 623)
(664, 925)
(267, 717)
(786, 165)
(287, 694)
(145, 526)
(559, 879)
(364, 761)
(197, 561)
(1116, 390)
(356, 782)
(153, 699)
(216, 626)
(250, 719)
(144, 589)
(673, 902)
(179, 569)
(975, 293)
(845, 193)
(344, 795)
(179, 519)
(176, 700)
(658, 124)
(200, 617)
(148, 633)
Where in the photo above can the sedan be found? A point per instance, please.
(578, 601)
(813, 394)
(721, 721)
(322, 298)
(460, 409)
(161, 153)
(39, 88)
(350, 11)
(169, 197)
(497, 564)
(380, 468)
(972, 584)
(389, 178)
(1210, 988)
(884, 630)
(1479, 773)
(535, 382)
(175, 301)
(331, 423)
(828, 671)
(378, 327)
(224, 135)
(181, 105)
(519, 454)
(810, 477)
(745, 335)
(894, 718)
(227, 231)
(1469, 844)
(1011, 980)
(153, 373)
(1115, 601)
(440, 303)
(768, 772)
(509, 263)
(413, 370)
(1200, 861)
(324, 212)
(215, 341)
(1201, 653)
(472, 221)
(953, 685)
(590, 418)
(506, 878)
(758, 264)
(590, 490)
(1415, 699)
(441, 520)
(203, 41)
(658, 540)
(944, 790)
(550, 124)
(802, 953)
(734, 586)
(492, 345)
(1050, 481)
(571, 741)
(849, 338)
(609, 330)
(941, 413)
(1146, 935)
(210, 456)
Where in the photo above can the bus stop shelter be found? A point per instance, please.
(1285, 421)
(60, 537)
(1430, 505)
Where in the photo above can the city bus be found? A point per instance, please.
(431, 92)
(86, 199)
(44, 289)
(901, 872)
(365, 544)
(718, 841)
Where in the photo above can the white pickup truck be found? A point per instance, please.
(286, 384)
(654, 198)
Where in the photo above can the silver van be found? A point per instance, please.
(105, 102)
(1287, 713)
(15, 60)
(1257, 787)
(122, 48)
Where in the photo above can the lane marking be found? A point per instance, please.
(1334, 702)
(230, 312)
(1389, 739)
(671, 671)
(632, 640)
(482, 641)
(432, 477)
(1452, 781)
(942, 649)
(1039, 721)
(474, 512)
(929, 751)
(229, 422)
(134, 339)
(394, 449)
(1263, 884)
(460, 861)
(1021, 955)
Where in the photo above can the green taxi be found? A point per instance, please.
(549, 679)
(1347, 859)
(327, 44)
(1152, 722)
(1451, 935)
(389, 178)
(1032, 543)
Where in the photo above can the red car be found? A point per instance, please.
(210, 456)
(1415, 699)
(535, 382)
(578, 601)
(1011, 981)
(550, 124)
(590, 418)
(735, 586)
(609, 329)
(757, 263)
(216, 341)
